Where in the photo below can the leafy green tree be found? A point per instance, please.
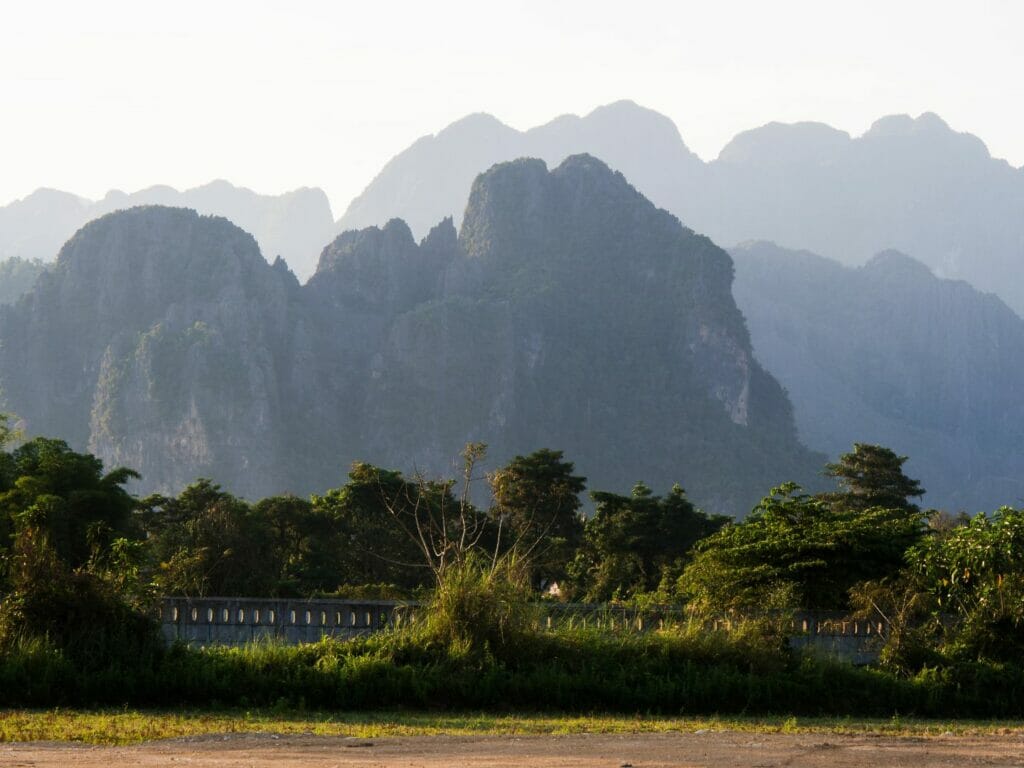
(207, 542)
(638, 543)
(304, 541)
(537, 510)
(796, 550)
(69, 556)
(67, 495)
(872, 476)
(372, 547)
(974, 575)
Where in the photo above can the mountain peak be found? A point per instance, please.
(777, 143)
(905, 125)
(890, 263)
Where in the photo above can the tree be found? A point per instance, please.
(797, 551)
(69, 559)
(638, 543)
(303, 545)
(975, 574)
(537, 507)
(208, 542)
(68, 496)
(371, 547)
(872, 476)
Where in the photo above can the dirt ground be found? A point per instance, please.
(720, 749)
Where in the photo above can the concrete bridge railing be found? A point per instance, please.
(238, 621)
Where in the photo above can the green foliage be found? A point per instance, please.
(565, 671)
(368, 513)
(304, 543)
(797, 551)
(637, 543)
(872, 476)
(537, 505)
(975, 575)
(70, 562)
(66, 494)
(479, 607)
(208, 542)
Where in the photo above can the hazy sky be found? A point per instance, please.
(277, 95)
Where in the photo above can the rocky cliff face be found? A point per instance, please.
(157, 341)
(294, 225)
(568, 312)
(889, 353)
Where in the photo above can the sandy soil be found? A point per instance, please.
(721, 749)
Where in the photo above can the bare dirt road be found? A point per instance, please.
(721, 749)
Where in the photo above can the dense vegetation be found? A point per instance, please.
(16, 277)
(83, 561)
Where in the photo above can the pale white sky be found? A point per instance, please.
(276, 95)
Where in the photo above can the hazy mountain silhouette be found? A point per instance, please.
(910, 184)
(569, 312)
(431, 179)
(294, 225)
(889, 353)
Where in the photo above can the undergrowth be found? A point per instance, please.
(581, 671)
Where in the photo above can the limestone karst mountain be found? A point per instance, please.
(294, 225)
(889, 353)
(568, 312)
(431, 179)
(156, 342)
(914, 185)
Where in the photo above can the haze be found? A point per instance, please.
(273, 96)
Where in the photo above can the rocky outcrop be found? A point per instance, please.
(888, 353)
(568, 312)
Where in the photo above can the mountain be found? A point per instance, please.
(914, 185)
(294, 225)
(889, 353)
(567, 312)
(16, 277)
(157, 341)
(431, 179)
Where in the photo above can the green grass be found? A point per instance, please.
(122, 727)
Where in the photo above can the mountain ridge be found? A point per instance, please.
(294, 224)
(913, 184)
(567, 311)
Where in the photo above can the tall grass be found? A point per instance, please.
(480, 648)
(564, 671)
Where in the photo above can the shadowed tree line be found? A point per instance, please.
(82, 561)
